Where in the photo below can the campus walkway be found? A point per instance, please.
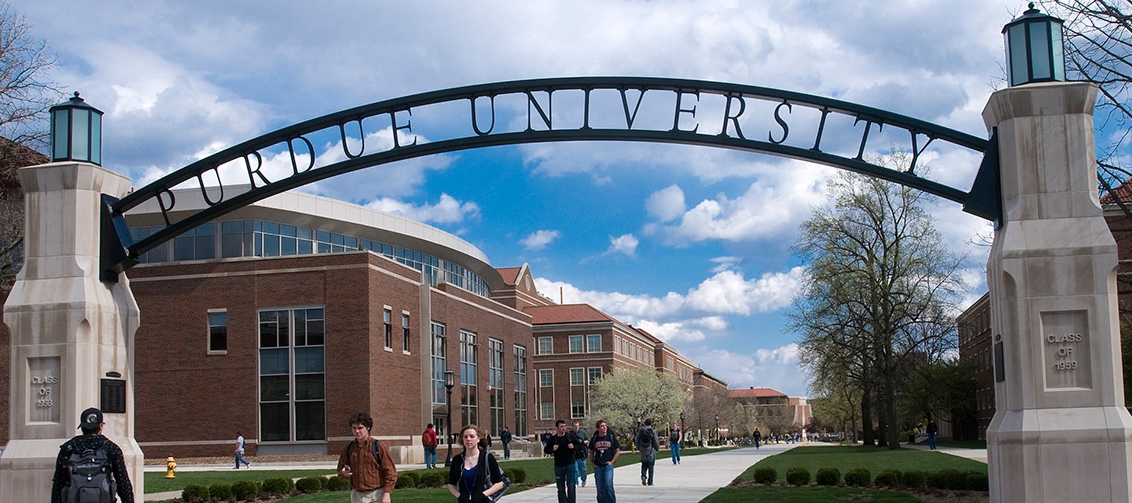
(692, 480)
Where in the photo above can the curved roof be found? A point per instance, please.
(324, 213)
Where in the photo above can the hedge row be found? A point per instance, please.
(860, 477)
(246, 490)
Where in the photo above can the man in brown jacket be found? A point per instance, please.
(367, 464)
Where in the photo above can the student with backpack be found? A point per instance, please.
(474, 475)
(648, 444)
(90, 468)
(366, 463)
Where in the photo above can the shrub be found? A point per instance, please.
(828, 476)
(309, 484)
(977, 481)
(765, 475)
(195, 492)
(325, 481)
(798, 476)
(278, 486)
(517, 475)
(858, 477)
(245, 490)
(914, 479)
(337, 484)
(887, 478)
(221, 492)
(406, 479)
(954, 480)
(432, 479)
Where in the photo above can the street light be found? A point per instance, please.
(449, 382)
(1035, 49)
(76, 132)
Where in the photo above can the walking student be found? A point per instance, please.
(583, 452)
(474, 475)
(106, 479)
(367, 464)
(605, 449)
(240, 451)
(674, 439)
(562, 446)
(505, 438)
(430, 441)
(648, 444)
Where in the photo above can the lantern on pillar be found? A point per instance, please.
(76, 132)
(1035, 48)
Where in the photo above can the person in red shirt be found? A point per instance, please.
(430, 441)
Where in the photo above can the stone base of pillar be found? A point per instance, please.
(1079, 454)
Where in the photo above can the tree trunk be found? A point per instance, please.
(867, 418)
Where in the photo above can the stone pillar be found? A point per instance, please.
(1060, 432)
(69, 330)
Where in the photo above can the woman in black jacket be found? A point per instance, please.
(474, 474)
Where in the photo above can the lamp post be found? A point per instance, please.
(76, 132)
(1035, 48)
(449, 382)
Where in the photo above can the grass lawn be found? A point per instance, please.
(540, 471)
(843, 458)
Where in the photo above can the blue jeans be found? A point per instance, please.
(506, 450)
(430, 457)
(566, 477)
(931, 441)
(580, 467)
(240, 459)
(675, 452)
(647, 465)
(603, 479)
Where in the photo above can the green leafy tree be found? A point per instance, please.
(880, 287)
(627, 397)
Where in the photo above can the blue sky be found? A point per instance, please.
(690, 243)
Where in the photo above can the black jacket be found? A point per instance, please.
(483, 480)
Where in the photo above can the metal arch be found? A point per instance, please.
(980, 201)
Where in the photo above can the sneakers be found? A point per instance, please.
(644, 481)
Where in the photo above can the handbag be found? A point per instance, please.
(488, 483)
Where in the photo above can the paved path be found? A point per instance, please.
(692, 480)
(975, 454)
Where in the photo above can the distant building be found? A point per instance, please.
(975, 345)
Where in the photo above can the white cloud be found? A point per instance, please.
(539, 239)
(666, 204)
(775, 368)
(625, 244)
(447, 210)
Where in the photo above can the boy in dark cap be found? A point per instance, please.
(90, 421)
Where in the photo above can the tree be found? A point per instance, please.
(626, 397)
(943, 389)
(26, 94)
(879, 290)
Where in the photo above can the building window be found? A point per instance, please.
(577, 377)
(520, 354)
(546, 378)
(495, 384)
(468, 377)
(546, 410)
(405, 332)
(387, 325)
(578, 409)
(593, 343)
(575, 344)
(545, 345)
(217, 331)
(292, 375)
(595, 375)
(439, 364)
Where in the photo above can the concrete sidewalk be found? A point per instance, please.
(692, 480)
(975, 454)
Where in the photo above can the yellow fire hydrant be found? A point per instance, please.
(170, 465)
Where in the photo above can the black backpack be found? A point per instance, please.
(91, 480)
(376, 453)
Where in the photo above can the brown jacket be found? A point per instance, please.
(367, 474)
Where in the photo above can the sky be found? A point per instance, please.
(692, 244)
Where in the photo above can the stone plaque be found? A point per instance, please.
(43, 391)
(1065, 347)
